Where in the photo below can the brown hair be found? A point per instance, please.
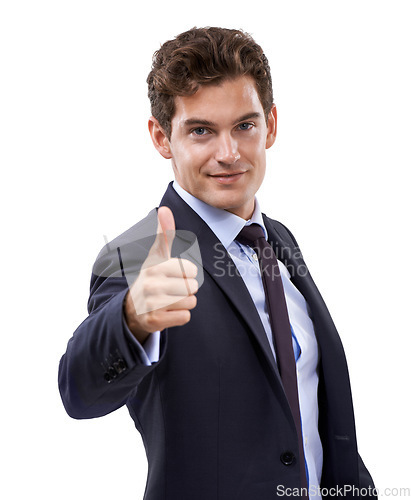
(204, 56)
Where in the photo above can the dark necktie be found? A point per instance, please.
(253, 236)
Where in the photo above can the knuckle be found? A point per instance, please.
(151, 305)
(192, 301)
(151, 321)
(149, 270)
(151, 287)
(188, 267)
(195, 270)
(194, 286)
(149, 267)
(191, 269)
(185, 317)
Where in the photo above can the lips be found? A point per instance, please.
(225, 174)
(227, 178)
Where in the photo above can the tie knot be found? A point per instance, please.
(250, 234)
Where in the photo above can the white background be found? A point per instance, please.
(77, 165)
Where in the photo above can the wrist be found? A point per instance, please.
(131, 319)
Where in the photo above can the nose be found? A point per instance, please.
(227, 150)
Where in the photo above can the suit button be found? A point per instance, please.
(287, 458)
(120, 366)
(107, 377)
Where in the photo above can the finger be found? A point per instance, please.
(167, 225)
(170, 303)
(168, 319)
(155, 302)
(188, 302)
(176, 268)
(173, 286)
(165, 233)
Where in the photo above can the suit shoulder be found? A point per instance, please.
(130, 246)
(281, 229)
(146, 227)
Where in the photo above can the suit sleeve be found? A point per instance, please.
(102, 365)
(366, 480)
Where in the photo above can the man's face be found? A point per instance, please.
(218, 142)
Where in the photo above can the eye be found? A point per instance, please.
(245, 126)
(200, 131)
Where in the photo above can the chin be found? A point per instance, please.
(224, 203)
(242, 209)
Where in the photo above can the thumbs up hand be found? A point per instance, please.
(164, 292)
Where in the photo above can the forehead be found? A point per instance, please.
(221, 102)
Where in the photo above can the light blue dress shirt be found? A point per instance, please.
(226, 227)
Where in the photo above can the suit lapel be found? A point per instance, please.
(290, 255)
(333, 363)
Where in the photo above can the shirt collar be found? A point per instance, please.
(224, 225)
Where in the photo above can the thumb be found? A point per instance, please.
(165, 233)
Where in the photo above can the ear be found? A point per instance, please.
(271, 127)
(159, 138)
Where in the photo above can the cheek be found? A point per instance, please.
(254, 147)
(190, 157)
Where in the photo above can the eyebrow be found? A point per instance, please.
(206, 123)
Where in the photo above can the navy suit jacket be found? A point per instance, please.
(212, 411)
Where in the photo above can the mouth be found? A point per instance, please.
(227, 178)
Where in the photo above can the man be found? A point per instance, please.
(205, 371)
